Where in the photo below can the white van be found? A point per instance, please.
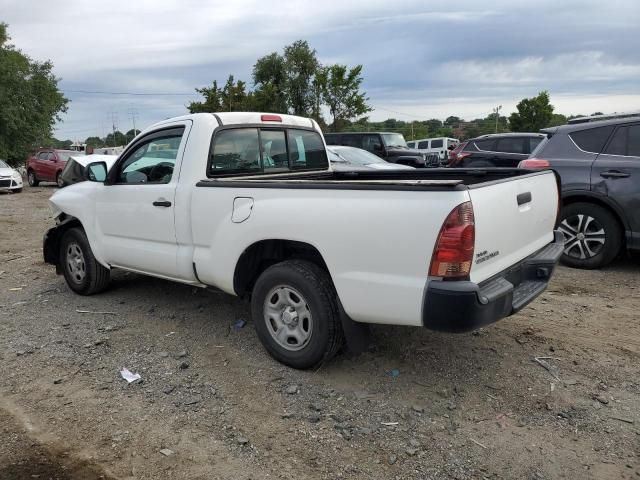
(440, 145)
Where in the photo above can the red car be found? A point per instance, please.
(46, 164)
(453, 154)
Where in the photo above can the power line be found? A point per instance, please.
(154, 94)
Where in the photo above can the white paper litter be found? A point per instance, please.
(128, 376)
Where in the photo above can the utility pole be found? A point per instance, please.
(114, 122)
(133, 114)
(497, 112)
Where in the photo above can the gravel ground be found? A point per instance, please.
(213, 405)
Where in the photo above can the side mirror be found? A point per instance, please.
(96, 172)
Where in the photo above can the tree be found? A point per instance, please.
(95, 142)
(30, 102)
(212, 100)
(533, 114)
(557, 119)
(300, 65)
(342, 94)
(115, 139)
(269, 78)
(131, 134)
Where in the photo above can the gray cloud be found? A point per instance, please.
(424, 59)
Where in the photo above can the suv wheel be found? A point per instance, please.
(295, 312)
(31, 178)
(59, 180)
(593, 236)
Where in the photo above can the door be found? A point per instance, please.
(616, 174)
(135, 209)
(41, 164)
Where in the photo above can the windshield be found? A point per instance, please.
(393, 140)
(353, 156)
(3, 165)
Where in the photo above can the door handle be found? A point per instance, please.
(614, 174)
(161, 203)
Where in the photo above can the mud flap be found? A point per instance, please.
(356, 334)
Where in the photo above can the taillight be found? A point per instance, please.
(453, 253)
(271, 118)
(534, 163)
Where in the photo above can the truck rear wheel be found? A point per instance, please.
(295, 311)
(83, 273)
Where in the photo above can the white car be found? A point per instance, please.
(439, 146)
(10, 178)
(247, 203)
(351, 159)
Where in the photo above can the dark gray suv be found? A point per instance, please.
(599, 164)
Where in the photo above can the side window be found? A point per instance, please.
(533, 143)
(592, 139)
(352, 140)
(235, 151)
(412, 145)
(618, 143)
(152, 161)
(274, 149)
(43, 155)
(511, 145)
(372, 143)
(633, 141)
(423, 145)
(437, 143)
(486, 145)
(51, 156)
(333, 139)
(306, 150)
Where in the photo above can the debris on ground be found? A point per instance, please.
(128, 376)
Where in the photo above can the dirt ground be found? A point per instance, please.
(213, 405)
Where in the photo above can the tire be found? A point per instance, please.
(593, 235)
(59, 180)
(32, 179)
(297, 297)
(81, 270)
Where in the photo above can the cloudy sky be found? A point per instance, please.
(422, 59)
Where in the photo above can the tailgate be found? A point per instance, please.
(513, 219)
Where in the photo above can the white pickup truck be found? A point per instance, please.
(247, 203)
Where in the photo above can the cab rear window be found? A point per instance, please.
(249, 151)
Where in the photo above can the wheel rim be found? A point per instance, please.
(59, 180)
(75, 263)
(32, 178)
(288, 318)
(584, 236)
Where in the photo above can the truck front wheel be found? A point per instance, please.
(295, 311)
(83, 273)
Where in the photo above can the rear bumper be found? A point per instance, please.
(464, 306)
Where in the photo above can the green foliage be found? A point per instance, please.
(30, 102)
(293, 82)
(342, 94)
(269, 77)
(533, 114)
(301, 66)
(115, 139)
(557, 119)
(95, 142)
(131, 134)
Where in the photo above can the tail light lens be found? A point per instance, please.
(534, 163)
(271, 118)
(453, 253)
